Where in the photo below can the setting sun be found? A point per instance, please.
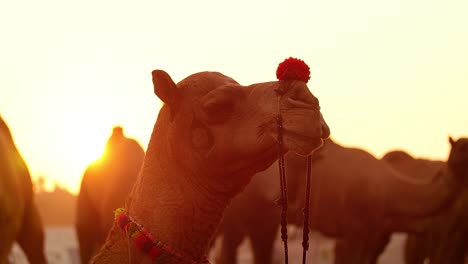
(85, 151)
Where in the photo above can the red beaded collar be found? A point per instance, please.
(146, 243)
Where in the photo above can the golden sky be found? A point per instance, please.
(389, 74)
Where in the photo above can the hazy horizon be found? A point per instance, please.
(388, 74)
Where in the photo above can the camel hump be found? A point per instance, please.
(14, 168)
(3, 126)
(397, 156)
(421, 170)
(7, 137)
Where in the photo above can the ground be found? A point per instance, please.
(61, 247)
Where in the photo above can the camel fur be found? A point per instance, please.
(211, 136)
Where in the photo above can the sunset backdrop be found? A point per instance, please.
(389, 74)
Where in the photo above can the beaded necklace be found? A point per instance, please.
(146, 242)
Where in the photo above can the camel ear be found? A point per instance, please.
(164, 87)
(451, 141)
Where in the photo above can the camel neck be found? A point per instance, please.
(176, 210)
(460, 171)
(423, 200)
(177, 201)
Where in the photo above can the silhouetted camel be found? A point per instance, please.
(444, 237)
(104, 187)
(211, 136)
(19, 218)
(356, 198)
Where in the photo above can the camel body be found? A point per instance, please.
(355, 198)
(211, 136)
(19, 218)
(104, 187)
(443, 237)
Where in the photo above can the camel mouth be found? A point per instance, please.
(302, 144)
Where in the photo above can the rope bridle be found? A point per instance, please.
(284, 190)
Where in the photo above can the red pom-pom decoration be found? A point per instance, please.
(293, 69)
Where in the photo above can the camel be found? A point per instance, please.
(19, 218)
(444, 237)
(359, 202)
(104, 186)
(211, 136)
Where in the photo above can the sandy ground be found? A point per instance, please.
(61, 247)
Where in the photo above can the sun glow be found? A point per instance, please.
(388, 75)
(87, 152)
(69, 133)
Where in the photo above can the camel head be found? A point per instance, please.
(458, 157)
(212, 125)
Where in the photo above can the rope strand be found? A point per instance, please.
(284, 190)
(305, 210)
